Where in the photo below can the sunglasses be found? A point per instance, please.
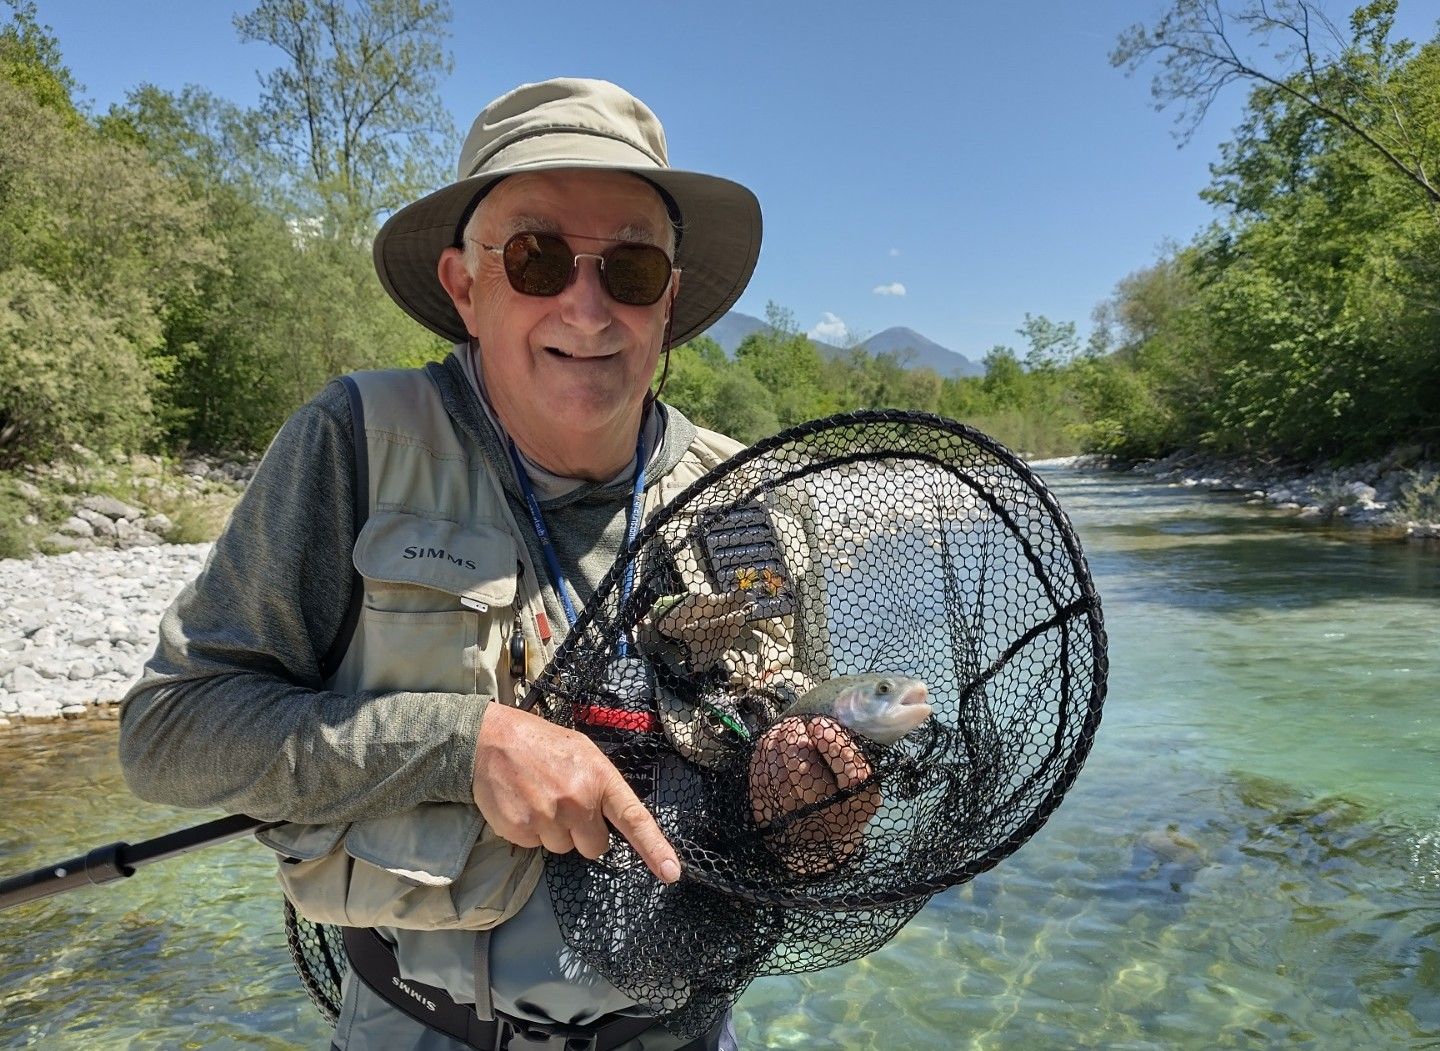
(541, 264)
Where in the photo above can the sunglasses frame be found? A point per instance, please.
(599, 257)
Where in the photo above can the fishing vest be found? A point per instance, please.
(444, 578)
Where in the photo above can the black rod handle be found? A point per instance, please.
(118, 860)
(101, 865)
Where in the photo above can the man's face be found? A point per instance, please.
(579, 361)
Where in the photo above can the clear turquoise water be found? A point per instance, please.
(1250, 858)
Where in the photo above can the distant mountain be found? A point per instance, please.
(918, 352)
(730, 331)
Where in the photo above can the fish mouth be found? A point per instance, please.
(917, 696)
(907, 710)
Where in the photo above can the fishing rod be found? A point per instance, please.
(119, 860)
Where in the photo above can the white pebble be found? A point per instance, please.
(24, 677)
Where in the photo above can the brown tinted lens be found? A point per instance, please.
(538, 264)
(636, 274)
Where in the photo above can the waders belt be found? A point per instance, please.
(373, 962)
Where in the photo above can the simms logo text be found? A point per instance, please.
(429, 1004)
(438, 552)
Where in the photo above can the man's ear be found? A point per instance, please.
(674, 293)
(455, 278)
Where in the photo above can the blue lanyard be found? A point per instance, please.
(547, 546)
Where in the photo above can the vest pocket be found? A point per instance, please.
(426, 652)
(435, 867)
(438, 598)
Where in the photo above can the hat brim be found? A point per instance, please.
(718, 248)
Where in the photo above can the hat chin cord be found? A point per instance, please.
(651, 397)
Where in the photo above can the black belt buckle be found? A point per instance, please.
(516, 1034)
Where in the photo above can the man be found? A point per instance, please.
(409, 555)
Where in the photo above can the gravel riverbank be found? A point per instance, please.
(1393, 496)
(76, 629)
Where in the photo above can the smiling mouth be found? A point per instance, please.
(557, 352)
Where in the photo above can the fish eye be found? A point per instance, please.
(883, 686)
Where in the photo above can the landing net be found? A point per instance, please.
(869, 548)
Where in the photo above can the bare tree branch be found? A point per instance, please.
(1199, 55)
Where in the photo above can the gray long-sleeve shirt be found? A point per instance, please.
(231, 711)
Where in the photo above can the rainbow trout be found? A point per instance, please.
(880, 706)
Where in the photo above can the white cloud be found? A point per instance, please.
(894, 253)
(894, 288)
(830, 328)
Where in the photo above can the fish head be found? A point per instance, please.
(883, 708)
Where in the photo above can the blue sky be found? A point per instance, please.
(984, 157)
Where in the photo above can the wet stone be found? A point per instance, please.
(42, 708)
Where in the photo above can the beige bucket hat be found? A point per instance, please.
(574, 123)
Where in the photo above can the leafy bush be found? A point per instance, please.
(68, 376)
(18, 536)
(1419, 500)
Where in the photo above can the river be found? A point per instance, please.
(1249, 859)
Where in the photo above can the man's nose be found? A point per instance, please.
(584, 303)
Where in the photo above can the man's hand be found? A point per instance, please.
(539, 784)
(799, 762)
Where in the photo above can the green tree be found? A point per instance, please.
(1052, 343)
(742, 407)
(1303, 324)
(355, 109)
(208, 142)
(111, 231)
(692, 378)
(30, 59)
(786, 365)
(1004, 377)
(281, 311)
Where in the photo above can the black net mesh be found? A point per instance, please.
(857, 664)
(318, 953)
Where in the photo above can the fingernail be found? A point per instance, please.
(669, 871)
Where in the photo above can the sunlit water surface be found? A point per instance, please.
(1250, 858)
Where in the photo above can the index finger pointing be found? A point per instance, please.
(623, 808)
